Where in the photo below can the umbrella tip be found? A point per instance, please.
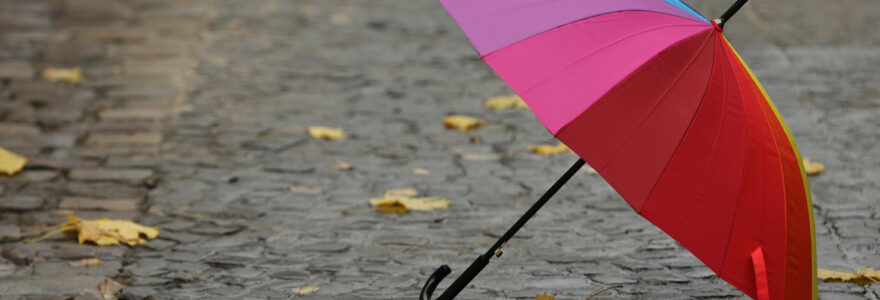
(719, 24)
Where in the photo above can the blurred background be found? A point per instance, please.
(253, 134)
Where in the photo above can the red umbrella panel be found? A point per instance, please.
(653, 96)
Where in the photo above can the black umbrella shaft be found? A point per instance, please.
(730, 11)
(483, 260)
(535, 207)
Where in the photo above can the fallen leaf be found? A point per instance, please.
(420, 171)
(425, 203)
(72, 75)
(862, 277)
(105, 232)
(86, 262)
(544, 297)
(477, 156)
(400, 201)
(813, 167)
(306, 289)
(11, 163)
(548, 149)
(109, 289)
(342, 166)
(505, 102)
(462, 123)
(327, 133)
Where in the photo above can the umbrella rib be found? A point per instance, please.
(665, 93)
(739, 189)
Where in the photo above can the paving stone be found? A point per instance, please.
(125, 175)
(134, 114)
(67, 250)
(9, 129)
(64, 268)
(81, 203)
(104, 190)
(38, 175)
(16, 71)
(21, 203)
(105, 139)
(57, 285)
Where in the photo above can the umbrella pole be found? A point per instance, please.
(483, 260)
(729, 13)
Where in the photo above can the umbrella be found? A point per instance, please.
(652, 95)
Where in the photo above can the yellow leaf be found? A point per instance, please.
(86, 262)
(11, 163)
(462, 123)
(420, 171)
(306, 289)
(342, 166)
(105, 232)
(544, 297)
(548, 149)
(392, 207)
(109, 289)
(400, 201)
(505, 102)
(73, 75)
(327, 133)
(813, 167)
(861, 277)
(425, 203)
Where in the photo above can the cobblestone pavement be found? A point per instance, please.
(193, 116)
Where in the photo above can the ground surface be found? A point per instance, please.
(192, 119)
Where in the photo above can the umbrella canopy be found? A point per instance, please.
(652, 96)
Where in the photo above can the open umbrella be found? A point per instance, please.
(653, 96)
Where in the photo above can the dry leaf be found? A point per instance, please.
(462, 123)
(862, 277)
(306, 289)
(112, 232)
(327, 133)
(425, 203)
(399, 201)
(548, 149)
(813, 167)
(420, 171)
(73, 75)
(505, 102)
(11, 163)
(109, 289)
(342, 166)
(544, 297)
(86, 262)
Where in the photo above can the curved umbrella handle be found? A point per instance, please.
(433, 281)
(459, 284)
